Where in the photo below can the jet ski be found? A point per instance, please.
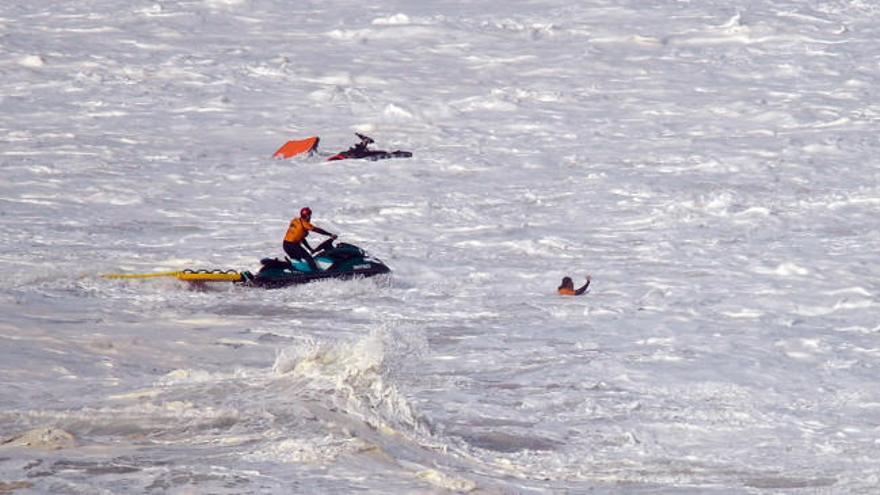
(361, 150)
(342, 261)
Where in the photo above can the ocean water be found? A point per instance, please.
(712, 166)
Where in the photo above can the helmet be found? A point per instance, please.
(305, 212)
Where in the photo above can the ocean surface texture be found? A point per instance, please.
(713, 165)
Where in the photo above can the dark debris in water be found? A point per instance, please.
(90, 468)
(788, 483)
(509, 443)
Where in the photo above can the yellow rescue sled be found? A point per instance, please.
(185, 275)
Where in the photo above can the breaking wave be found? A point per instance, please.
(358, 375)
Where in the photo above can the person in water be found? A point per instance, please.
(567, 287)
(295, 243)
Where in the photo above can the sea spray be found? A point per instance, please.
(358, 374)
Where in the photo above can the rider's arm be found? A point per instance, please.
(323, 232)
(584, 288)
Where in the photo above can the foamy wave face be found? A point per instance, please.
(357, 376)
(323, 449)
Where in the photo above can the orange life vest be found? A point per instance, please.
(298, 230)
(565, 291)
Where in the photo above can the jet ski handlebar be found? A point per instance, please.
(325, 245)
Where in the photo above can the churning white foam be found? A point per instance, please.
(357, 372)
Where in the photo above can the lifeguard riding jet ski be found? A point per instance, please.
(342, 261)
(359, 150)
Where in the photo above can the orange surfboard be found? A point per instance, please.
(296, 147)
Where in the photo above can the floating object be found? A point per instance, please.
(342, 261)
(297, 147)
(186, 275)
(359, 150)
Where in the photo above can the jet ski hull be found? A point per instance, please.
(275, 281)
(344, 261)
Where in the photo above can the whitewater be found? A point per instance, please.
(712, 165)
